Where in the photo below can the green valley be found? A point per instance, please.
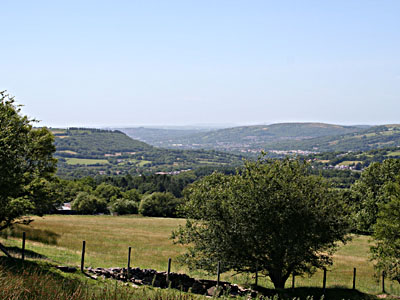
(89, 152)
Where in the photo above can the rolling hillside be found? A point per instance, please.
(290, 137)
(375, 137)
(91, 143)
(246, 138)
(160, 137)
(84, 152)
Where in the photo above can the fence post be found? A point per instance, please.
(169, 270)
(83, 256)
(23, 245)
(354, 278)
(128, 270)
(293, 278)
(383, 282)
(256, 275)
(218, 272)
(324, 281)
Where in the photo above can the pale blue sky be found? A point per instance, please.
(123, 63)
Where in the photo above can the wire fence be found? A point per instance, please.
(354, 278)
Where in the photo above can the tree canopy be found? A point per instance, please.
(273, 216)
(27, 165)
(368, 192)
(386, 251)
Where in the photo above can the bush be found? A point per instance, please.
(124, 206)
(159, 205)
(88, 204)
(132, 195)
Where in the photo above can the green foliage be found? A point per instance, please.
(159, 205)
(27, 166)
(89, 204)
(107, 191)
(132, 195)
(69, 189)
(124, 206)
(273, 217)
(368, 192)
(386, 251)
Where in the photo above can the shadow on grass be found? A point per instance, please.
(44, 236)
(17, 252)
(336, 293)
(17, 266)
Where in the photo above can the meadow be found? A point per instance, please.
(108, 238)
(86, 161)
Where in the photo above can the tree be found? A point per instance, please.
(123, 206)
(89, 204)
(107, 191)
(386, 251)
(273, 217)
(27, 166)
(132, 195)
(159, 205)
(368, 192)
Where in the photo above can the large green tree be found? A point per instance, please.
(368, 192)
(27, 166)
(273, 216)
(386, 250)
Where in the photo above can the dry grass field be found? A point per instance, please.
(108, 238)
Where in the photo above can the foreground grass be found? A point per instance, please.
(108, 238)
(31, 280)
(40, 281)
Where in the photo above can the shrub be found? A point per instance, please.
(88, 204)
(124, 206)
(132, 195)
(159, 205)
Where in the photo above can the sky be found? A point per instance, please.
(130, 63)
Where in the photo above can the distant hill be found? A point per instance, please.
(85, 151)
(375, 137)
(246, 138)
(161, 137)
(94, 142)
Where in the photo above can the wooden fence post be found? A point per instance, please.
(354, 278)
(324, 281)
(83, 256)
(23, 246)
(293, 278)
(256, 276)
(128, 270)
(218, 272)
(169, 270)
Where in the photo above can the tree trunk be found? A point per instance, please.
(278, 279)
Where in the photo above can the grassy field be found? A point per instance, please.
(108, 238)
(349, 162)
(40, 281)
(138, 162)
(394, 153)
(68, 152)
(86, 161)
